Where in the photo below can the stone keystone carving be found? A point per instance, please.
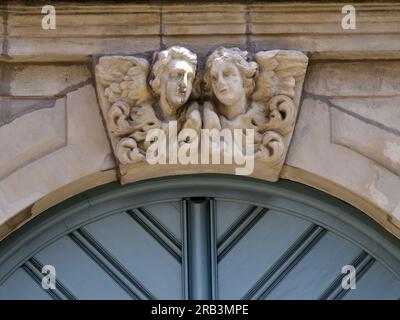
(234, 93)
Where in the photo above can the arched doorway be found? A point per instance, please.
(201, 237)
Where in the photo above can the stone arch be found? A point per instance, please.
(102, 231)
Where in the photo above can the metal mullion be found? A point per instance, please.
(199, 253)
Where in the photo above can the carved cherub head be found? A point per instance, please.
(173, 74)
(229, 78)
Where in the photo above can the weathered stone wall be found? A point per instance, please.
(53, 143)
(348, 131)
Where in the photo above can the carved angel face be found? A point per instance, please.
(227, 82)
(177, 85)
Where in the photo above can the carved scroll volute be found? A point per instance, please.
(279, 85)
(122, 87)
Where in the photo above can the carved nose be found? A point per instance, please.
(221, 83)
(183, 86)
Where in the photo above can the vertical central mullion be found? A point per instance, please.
(199, 252)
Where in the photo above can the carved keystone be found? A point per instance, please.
(235, 93)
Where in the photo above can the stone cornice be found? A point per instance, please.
(84, 29)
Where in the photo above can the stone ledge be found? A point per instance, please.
(83, 29)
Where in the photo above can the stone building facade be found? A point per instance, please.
(55, 136)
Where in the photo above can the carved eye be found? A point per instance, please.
(214, 78)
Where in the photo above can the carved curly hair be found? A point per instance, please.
(248, 69)
(163, 58)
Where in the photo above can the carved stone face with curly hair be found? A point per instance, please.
(173, 73)
(229, 78)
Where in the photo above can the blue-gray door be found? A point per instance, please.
(201, 237)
